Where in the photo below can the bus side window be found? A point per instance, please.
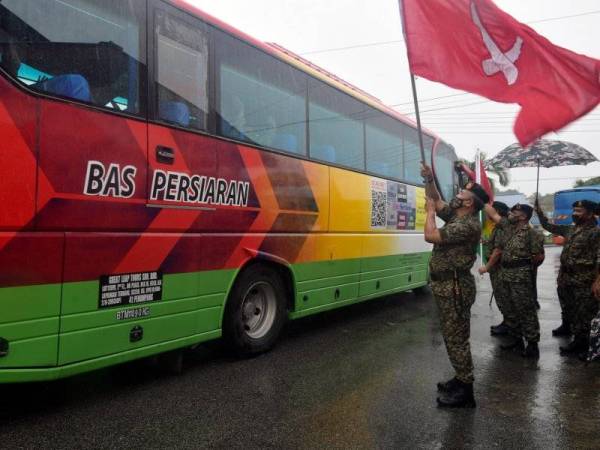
(260, 100)
(336, 125)
(82, 50)
(182, 72)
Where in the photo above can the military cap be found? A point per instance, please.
(502, 208)
(528, 210)
(588, 205)
(478, 191)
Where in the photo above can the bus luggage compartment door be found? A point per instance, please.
(30, 280)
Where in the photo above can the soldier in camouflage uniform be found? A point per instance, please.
(522, 250)
(578, 270)
(453, 285)
(493, 268)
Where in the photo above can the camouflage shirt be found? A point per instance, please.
(460, 236)
(496, 241)
(580, 258)
(520, 244)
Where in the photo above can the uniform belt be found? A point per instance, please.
(516, 263)
(446, 275)
(575, 268)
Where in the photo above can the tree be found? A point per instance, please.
(590, 182)
(546, 201)
(507, 192)
(491, 169)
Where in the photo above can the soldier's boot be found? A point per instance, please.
(577, 345)
(583, 356)
(499, 330)
(448, 386)
(515, 344)
(461, 397)
(531, 351)
(563, 330)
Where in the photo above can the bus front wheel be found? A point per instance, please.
(255, 312)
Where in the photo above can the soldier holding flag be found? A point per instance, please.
(453, 285)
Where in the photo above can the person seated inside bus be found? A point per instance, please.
(263, 133)
(323, 152)
(70, 85)
(233, 118)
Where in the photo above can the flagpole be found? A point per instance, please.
(537, 181)
(416, 101)
(478, 181)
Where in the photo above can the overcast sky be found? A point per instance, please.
(361, 41)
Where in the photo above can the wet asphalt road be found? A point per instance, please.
(361, 377)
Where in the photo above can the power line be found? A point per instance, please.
(397, 41)
(441, 132)
(430, 99)
(551, 179)
(468, 122)
(448, 107)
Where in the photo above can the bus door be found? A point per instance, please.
(182, 167)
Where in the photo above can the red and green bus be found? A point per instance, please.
(168, 180)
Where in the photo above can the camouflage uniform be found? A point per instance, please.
(517, 278)
(453, 286)
(579, 263)
(496, 239)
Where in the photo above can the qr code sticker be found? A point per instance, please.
(378, 209)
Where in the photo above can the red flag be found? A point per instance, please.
(485, 181)
(475, 46)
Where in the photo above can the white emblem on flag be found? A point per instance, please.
(499, 61)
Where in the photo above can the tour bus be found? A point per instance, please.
(168, 180)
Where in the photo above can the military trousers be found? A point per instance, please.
(522, 301)
(502, 300)
(564, 308)
(454, 307)
(580, 308)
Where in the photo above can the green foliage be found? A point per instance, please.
(546, 201)
(590, 182)
(501, 174)
(507, 192)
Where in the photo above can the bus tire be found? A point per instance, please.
(255, 312)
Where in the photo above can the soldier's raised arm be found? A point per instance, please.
(431, 191)
(561, 230)
(493, 214)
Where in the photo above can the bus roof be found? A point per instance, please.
(304, 65)
(594, 187)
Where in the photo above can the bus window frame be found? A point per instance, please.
(142, 116)
(152, 101)
(455, 178)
